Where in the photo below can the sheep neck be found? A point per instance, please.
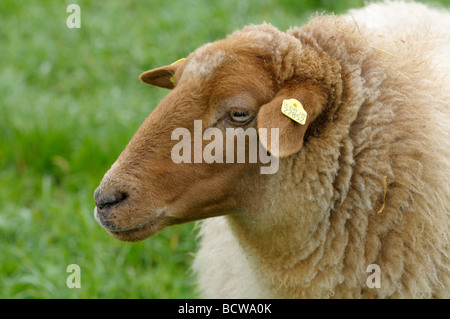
(267, 237)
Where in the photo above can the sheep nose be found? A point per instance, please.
(108, 199)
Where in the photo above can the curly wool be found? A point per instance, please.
(325, 216)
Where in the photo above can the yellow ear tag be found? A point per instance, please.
(177, 61)
(294, 110)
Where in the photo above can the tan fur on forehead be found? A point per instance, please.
(204, 61)
(281, 50)
(265, 38)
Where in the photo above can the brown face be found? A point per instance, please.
(224, 85)
(145, 190)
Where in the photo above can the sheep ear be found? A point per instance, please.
(162, 76)
(291, 133)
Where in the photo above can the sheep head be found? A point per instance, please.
(238, 82)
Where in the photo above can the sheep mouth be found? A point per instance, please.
(138, 232)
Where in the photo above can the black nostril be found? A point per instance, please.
(105, 200)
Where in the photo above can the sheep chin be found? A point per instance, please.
(140, 232)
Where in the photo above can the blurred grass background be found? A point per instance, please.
(70, 100)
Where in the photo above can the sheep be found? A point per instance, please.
(364, 182)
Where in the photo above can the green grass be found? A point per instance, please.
(70, 100)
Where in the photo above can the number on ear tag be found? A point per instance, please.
(294, 110)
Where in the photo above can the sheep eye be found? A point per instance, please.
(240, 116)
